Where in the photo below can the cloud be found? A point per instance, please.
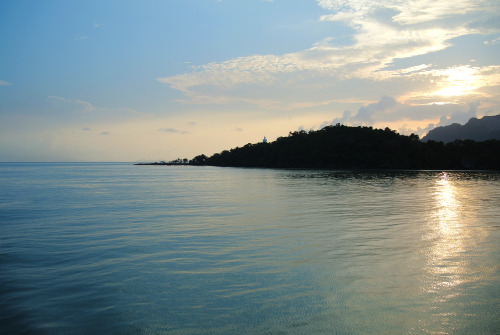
(77, 106)
(70, 105)
(368, 114)
(80, 114)
(492, 42)
(460, 116)
(453, 84)
(172, 130)
(407, 12)
(389, 111)
(383, 32)
(4, 83)
(105, 133)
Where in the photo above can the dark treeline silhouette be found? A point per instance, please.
(343, 147)
(178, 161)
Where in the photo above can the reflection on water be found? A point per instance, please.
(454, 235)
(448, 234)
(121, 249)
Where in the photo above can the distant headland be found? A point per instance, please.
(345, 147)
(178, 161)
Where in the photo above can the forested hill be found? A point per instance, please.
(343, 147)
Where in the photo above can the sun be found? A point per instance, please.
(457, 81)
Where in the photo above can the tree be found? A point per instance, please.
(346, 147)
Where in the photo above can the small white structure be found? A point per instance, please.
(264, 140)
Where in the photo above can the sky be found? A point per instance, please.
(123, 80)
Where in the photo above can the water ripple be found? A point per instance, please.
(116, 248)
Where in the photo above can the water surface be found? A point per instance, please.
(120, 249)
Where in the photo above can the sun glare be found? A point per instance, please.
(458, 81)
(448, 235)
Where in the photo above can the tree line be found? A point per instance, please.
(344, 147)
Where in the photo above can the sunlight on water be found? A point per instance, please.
(119, 249)
(448, 234)
(454, 269)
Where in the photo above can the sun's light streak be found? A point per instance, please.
(458, 81)
(448, 234)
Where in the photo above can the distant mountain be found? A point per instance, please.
(483, 129)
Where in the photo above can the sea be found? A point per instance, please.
(115, 248)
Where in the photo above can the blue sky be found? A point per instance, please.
(160, 79)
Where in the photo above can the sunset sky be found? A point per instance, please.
(122, 80)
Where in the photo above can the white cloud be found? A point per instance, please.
(493, 42)
(4, 83)
(408, 12)
(452, 84)
(395, 52)
(384, 31)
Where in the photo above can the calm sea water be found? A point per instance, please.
(122, 249)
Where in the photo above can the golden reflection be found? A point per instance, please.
(453, 237)
(447, 234)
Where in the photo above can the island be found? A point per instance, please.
(177, 161)
(345, 147)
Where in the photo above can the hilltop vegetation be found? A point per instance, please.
(343, 147)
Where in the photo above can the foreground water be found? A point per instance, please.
(123, 249)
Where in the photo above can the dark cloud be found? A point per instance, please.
(389, 110)
(105, 133)
(383, 110)
(458, 116)
(172, 130)
(419, 131)
(369, 114)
